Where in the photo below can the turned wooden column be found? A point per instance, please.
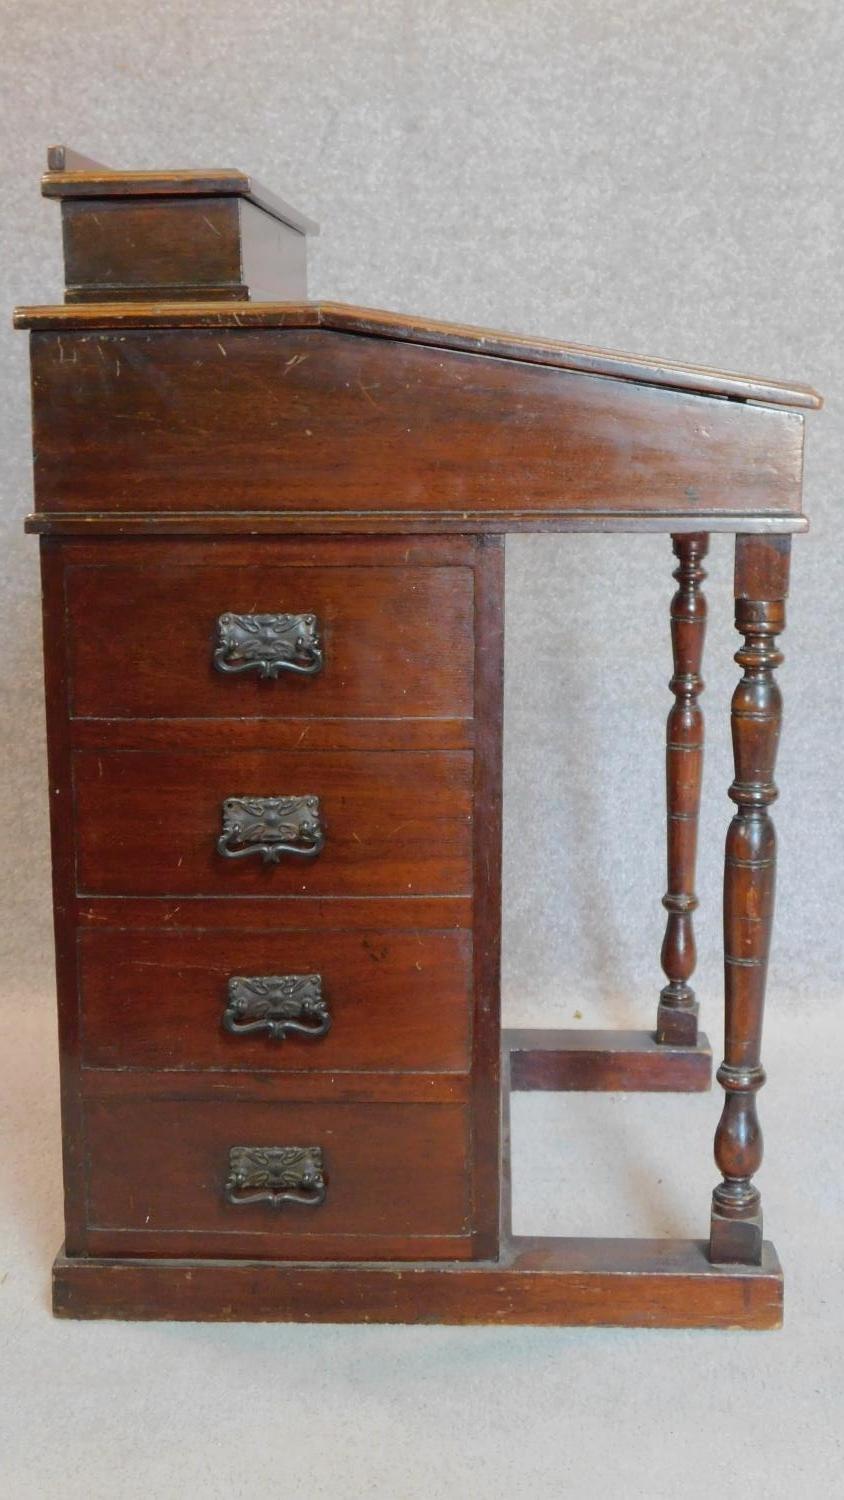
(678, 1009)
(761, 586)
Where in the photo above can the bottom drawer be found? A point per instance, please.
(161, 1175)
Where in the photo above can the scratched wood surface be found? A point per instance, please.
(323, 421)
(398, 1000)
(396, 639)
(437, 334)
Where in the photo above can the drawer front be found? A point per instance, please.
(392, 641)
(394, 823)
(160, 1169)
(163, 999)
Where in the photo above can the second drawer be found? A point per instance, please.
(394, 822)
(390, 1000)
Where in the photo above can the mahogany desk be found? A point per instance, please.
(272, 540)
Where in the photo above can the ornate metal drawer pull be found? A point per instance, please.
(270, 827)
(275, 1175)
(268, 645)
(279, 1004)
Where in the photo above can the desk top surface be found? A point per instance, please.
(406, 329)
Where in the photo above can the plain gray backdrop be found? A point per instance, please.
(657, 177)
(654, 176)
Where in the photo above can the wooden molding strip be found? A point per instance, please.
(344, 523)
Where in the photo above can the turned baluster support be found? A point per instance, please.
(678, 1009)
(749, 873)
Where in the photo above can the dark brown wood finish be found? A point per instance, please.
(486, 1043)
(394, 1172)
(398, 1000)
(354, 469)
(761, 588)
(136, 235)
(70, 175)
(116, 249)
(397, 640)
(587, 1283)
(582, 1282)
(606, 1061)
(254, 1086)
(296, 524)
(311, 419)
(191, 248)
(398, 327)
(62, 837)
(286, 913)
(398, 823)
(273, 734)
(677, 1016)
(415, 1021)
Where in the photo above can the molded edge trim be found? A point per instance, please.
(257, 523)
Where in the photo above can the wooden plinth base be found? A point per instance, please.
(584, 1282)
(622, 1061)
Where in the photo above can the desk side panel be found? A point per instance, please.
(309, 420)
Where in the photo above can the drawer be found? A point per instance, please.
(395, 822)
(391, 999)
(394, 641)
(395, 1177)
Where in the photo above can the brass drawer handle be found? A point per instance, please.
(275, 1175)
(270, 827)
(268, 645)
(279, 1004)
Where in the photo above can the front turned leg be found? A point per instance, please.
(677, 1015)
(749, 870)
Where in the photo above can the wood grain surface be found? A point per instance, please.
(261, 420)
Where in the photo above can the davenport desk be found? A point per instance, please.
(272, 542)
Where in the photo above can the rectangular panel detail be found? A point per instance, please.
(152, 243)
(289, 420)
(390, 1170)
(395, 823)
(156, 999)
(394, 641)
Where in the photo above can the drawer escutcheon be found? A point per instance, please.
(271, 827)
(275, 1175)
(268, 645)
(279, 1004)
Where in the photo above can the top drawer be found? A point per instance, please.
(395, 641)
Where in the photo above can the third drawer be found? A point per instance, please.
(397, 1000)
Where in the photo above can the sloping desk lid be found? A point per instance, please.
(358, 320)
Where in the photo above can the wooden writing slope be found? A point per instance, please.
(272, 541)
